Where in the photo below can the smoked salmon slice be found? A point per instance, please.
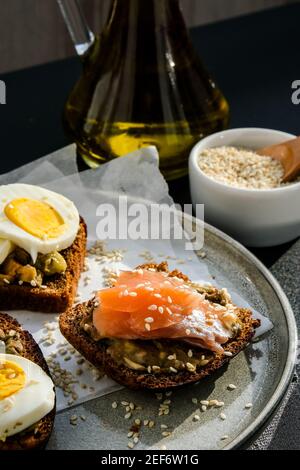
(147, 304)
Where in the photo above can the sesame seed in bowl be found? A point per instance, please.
(242, 191)
(241, 168)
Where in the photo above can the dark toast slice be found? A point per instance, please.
(96, 351)
(61, 288)
(23, 344)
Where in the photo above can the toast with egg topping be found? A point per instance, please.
(20, 343)
(166, 359)
(42, 249)
(57, 291)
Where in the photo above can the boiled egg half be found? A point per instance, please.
(26, 394)
(35, 219)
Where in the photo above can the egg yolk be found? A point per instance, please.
(35, 217)
(12, 379)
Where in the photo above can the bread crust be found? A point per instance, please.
(95, 352)
(37, 437)
(61, 289)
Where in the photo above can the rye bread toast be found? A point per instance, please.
(23, 344)
(96, 351)
(60, 289)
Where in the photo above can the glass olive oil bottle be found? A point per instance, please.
(142, 84)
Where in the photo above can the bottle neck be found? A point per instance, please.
(148, 16)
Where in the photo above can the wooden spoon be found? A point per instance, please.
(288, 153)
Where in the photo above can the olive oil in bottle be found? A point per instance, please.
(143, 84)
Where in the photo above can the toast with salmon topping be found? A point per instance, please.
(173, 350)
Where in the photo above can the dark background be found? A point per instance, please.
(32, 31)
(254, 59)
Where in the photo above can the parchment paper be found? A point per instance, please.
(138, 177)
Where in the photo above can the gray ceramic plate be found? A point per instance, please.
(261, 374)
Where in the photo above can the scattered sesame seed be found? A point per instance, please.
(248, 406)
(137, 421)
(203, 407)
(130, 434)
(219, 404)
(231, 387)
(146, 422)
(151, 424)
(195, 401)
(190, 353)
(223, 416)
(166, 433)
(223, 438)
(204, 402)
(147, 327)
(196, 418)
(170, 299)
(130, 445)
(161, 309)
(172, 369)
(187, 331)
(228, 353)
(213, 402)
(135, 439)
(164, 426)
(128, 415)
(158, 296)
(168, 394)
(190, 367)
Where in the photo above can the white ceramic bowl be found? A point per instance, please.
(255, 217)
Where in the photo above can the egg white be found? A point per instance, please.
(6, 247)
(30, 404)
(34, 245)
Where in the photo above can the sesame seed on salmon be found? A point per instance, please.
(178, 311)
